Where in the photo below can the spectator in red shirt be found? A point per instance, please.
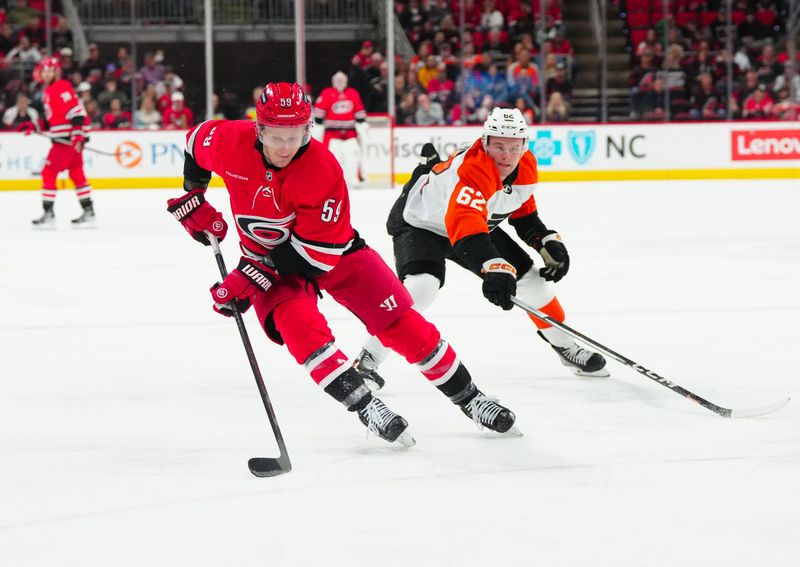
(560, 45)
(758, 105)
(116, 118)
(178, 116)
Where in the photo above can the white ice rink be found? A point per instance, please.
(128, 410)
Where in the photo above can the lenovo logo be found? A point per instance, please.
(765, 144)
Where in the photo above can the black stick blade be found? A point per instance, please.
(264, 467)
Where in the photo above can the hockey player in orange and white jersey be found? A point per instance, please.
(340, 123)
(69, 129)
(452, 209)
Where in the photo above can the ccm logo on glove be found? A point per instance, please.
(499, 282)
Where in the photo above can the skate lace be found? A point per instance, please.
(378, 416)
(577, 354)
(483, 410)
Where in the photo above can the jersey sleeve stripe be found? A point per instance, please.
(322, 246)
(324, 262)
(75, 111)
(192, 136)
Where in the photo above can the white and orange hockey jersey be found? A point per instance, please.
(465, 195)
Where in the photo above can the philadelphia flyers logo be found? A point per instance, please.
(267, 232)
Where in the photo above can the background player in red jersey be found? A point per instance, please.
(341, 124)
(452, 209)
(69, 130)
(292, 212)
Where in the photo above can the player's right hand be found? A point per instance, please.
(197, 216)
(237, 290)
(499, 282)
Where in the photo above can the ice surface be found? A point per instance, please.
(128, 410)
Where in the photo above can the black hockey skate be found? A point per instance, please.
(386, 424)
(366, 367)
(45, 222)
(581, 361)
(487, 413)
(86, 220)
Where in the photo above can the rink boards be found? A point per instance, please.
(735, 150)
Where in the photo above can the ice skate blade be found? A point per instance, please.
(513, 432)
(602, 373)
(405, 439)
(372, 385)
(84, 226)
(44, 228)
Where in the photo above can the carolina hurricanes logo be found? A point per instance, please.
(267, 232)
(342, 107)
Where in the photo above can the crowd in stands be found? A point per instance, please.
(680, 64)
(103, 82)
(505, 58)
(514, 53)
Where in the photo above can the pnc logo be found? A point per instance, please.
(128, 154)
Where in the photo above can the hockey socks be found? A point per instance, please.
(330, 369)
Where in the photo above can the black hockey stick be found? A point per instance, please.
(87, 148)
(724, 412)
(259, 466)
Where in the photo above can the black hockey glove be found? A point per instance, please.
(499, 282)
(554, 254)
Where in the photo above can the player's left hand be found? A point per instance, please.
(237, 290)
(554, 254)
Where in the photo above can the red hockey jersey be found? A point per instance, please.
(338, 111)
(305, 202)
(61, 107)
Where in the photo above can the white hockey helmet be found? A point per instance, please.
(339, 81)
(505, 123)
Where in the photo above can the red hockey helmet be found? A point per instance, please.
(50, 63)
(283, 105)
(46, 63)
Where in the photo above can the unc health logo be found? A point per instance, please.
(581, 145)
(128, 154)
(544, 147)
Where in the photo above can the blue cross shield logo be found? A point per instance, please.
(581, 145)
(544, 147)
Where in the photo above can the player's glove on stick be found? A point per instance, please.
(197, 216)
(236, 291)
(78, 141)
(554, 254)
(499, 282)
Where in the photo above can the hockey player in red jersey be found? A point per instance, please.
(341, 124)
(69, 129)
(292, 212)
(452, 209)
